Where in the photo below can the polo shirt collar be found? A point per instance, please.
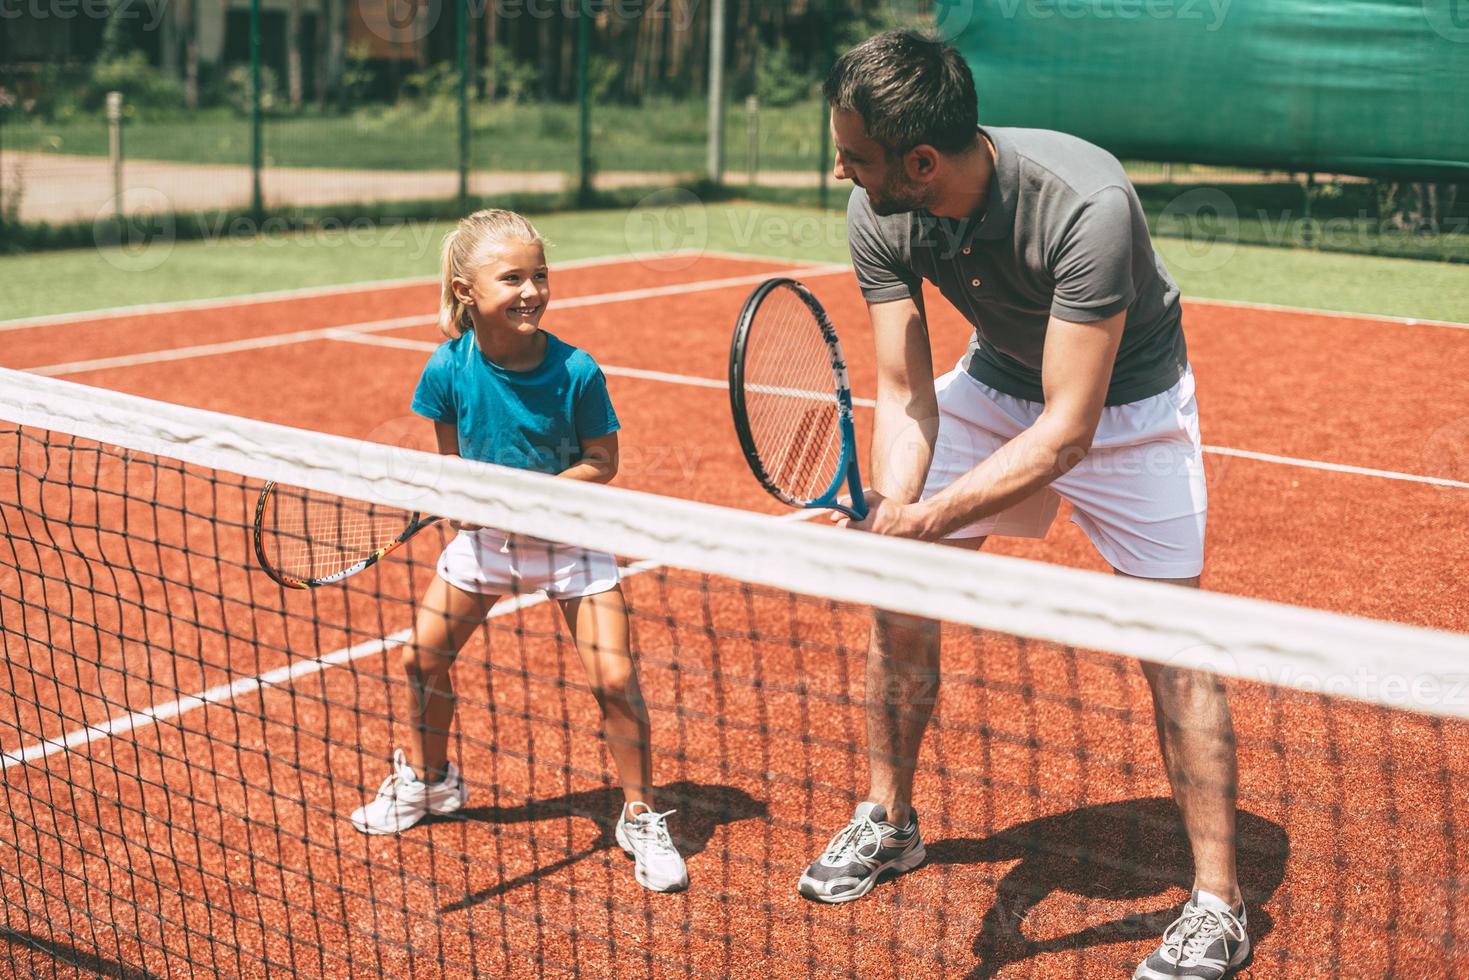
(999, 209)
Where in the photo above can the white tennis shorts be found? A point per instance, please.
(495, 563)
(1139, 495)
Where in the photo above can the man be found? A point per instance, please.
(1076, 385)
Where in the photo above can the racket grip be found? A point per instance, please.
(858, 509)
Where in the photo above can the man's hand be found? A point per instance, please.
(884, 516)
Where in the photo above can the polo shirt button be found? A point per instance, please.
(967, 249)
(974, 282)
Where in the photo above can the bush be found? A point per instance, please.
(237, 90)
(440, 81)
(1417, 207)
(65, 93)
(505, 77)
(144, 88)
(556, 123)
(603, 74)
(357, 76)
(777, 81)
(43, 95)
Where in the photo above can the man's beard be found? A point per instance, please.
(898, 196)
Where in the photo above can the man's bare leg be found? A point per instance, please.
(1196, 737)
(902, 689)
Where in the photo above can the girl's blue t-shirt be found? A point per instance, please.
(531, 420)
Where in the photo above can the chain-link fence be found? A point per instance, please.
(320, 110)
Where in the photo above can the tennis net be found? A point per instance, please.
(183, 740)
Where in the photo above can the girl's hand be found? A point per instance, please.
(465, 526)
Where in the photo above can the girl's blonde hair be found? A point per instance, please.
(465, 248)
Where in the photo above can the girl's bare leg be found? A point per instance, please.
(599, 624)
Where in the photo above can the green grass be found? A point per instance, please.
(1217, 217)
(80, 279)
(664, 135)
(418, 135)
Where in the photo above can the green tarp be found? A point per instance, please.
(1346, 86)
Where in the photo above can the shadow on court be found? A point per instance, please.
(70, 955)
(701, 809)
(1126, 851)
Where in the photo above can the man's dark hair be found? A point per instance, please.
(909, 90)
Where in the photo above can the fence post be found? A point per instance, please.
(752, 126)
(584, 111)
(5, 205)
(114, 148)
(716, 91)
(463, 55)
(1308, 238)
(825, 61)
(257, 148)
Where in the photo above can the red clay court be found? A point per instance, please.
(216, 839)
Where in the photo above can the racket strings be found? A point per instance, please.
(310, 535)
(790, 397)
(803, 409)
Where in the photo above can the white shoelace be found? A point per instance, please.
(851, 839)
(1197, 929)
(401, 774)
(653, 827)
(389, 788)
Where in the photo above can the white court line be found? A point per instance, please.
(614, 371)
(704, 285)
(251, 299)
(1406, 321)
(325, 333)
(307, 292)
(715, 253)
(223, 347)
(186, 305)
(281, 676)
(664, 377)
(122, 724)
(1436, 481)
(248, 299)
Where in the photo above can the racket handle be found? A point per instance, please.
(858, 509)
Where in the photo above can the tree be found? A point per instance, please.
(190, 12)
(294, 81)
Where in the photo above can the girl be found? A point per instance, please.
(505, 391)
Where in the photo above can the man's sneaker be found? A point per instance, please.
(403, 800)
(643, 834)
(1207, 942)
(859, 854)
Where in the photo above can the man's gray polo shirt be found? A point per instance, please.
(1063, 234)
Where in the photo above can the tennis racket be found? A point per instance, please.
(304, 538)
(791, 400)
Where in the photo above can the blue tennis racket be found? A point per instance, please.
(791, 400)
